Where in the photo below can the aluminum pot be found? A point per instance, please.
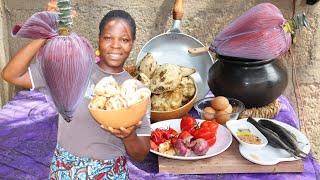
(172, 47)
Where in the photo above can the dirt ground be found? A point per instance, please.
(304, 65)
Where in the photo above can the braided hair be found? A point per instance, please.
(118, 14)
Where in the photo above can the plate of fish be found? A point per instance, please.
(284, 142)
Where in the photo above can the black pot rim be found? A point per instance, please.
(243, 61)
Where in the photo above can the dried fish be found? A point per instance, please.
(273, 138)
(286, 136)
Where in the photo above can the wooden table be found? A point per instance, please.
(229, 161)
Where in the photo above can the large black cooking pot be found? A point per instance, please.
(254, 82)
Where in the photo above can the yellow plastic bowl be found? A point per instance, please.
(120, 118)
(174, 114)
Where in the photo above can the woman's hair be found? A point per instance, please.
(118, 14)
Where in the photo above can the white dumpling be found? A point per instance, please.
(98, 102)
(107, 87)
(144, 79)
(115, 103)
(129, 87)
(148, 65)
(143, 93)
(188, 88)
(140, 95)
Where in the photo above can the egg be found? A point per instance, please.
(229, 109)
(220, 103)
(222, 117)
(208, 113)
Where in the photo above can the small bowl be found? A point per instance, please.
(174, 114)
(237, 108)
(235, 126)
(120, 118)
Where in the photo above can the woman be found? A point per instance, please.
(85, 150)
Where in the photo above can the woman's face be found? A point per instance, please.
(115, 44)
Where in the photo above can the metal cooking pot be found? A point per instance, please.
(172, 47)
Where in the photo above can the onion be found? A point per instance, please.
(201, 147)
(181, 149)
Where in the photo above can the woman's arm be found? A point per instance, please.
(16, 71)
(137, 147)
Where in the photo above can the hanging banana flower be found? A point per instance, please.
(65, 60)
(260, 33)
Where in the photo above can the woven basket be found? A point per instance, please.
(268, 111)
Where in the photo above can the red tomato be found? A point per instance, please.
(168, 134)
(157, 136)
(204, 133)
(173, 140)
(212, 125)
(172, 132)
(184, 134)
(211, 141)
(187, 123)
(153, 146)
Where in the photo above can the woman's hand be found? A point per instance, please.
(122, 132)
(52, 6)
(137, 147)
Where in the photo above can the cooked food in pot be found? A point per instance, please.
(171, 85)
